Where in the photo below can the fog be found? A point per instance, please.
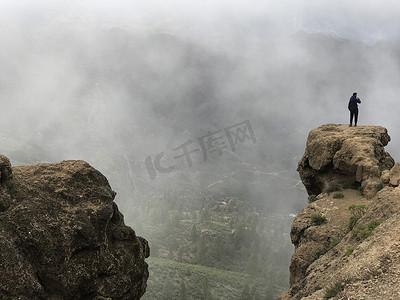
(116, 82)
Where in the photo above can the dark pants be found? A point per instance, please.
(354, 112)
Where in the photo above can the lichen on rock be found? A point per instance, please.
(62, 236)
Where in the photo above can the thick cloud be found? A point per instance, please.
(109, 80)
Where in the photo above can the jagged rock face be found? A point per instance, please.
(62, 236)
(339, 154)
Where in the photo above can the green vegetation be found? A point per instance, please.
(338, 195)
(357, 212)
(312, 198)
(333, 187)
(361, 190)
(351, 185)
(334, 241)
(347, 185)
(334, 290)
(318, 219)
(349, 251)
(183, 290)
(372, 225)
(217, 234)
(317, 252)
(189, 281)
(379, 186)
(363, 231)
(353, 221)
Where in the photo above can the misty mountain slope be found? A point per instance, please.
(173, 280)
(124, 82)
(199, 235)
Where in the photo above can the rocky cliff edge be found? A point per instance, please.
(347, 240)
(62, 236)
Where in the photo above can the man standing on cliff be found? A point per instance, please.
(353, 108)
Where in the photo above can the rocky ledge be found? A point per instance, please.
(339, 153)
(347, 240)
(62, 236)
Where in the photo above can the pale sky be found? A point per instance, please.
(357, 19)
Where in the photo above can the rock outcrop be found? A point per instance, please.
(339, 154)
(347, 243)
(62, 236)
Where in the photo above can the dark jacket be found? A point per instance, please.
(353, 103)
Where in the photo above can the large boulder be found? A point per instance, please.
(339, 154)
(62, 236)
(5, 169)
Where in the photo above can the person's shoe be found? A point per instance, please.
(355, 125)
(350, 125)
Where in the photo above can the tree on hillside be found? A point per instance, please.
(182, 291)
(253, 264)
(245, 295)
(194, 235)
(206, 290)
(202, 254)
(255, 293)
(168, 290)
(180, 254)
(219, 247)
